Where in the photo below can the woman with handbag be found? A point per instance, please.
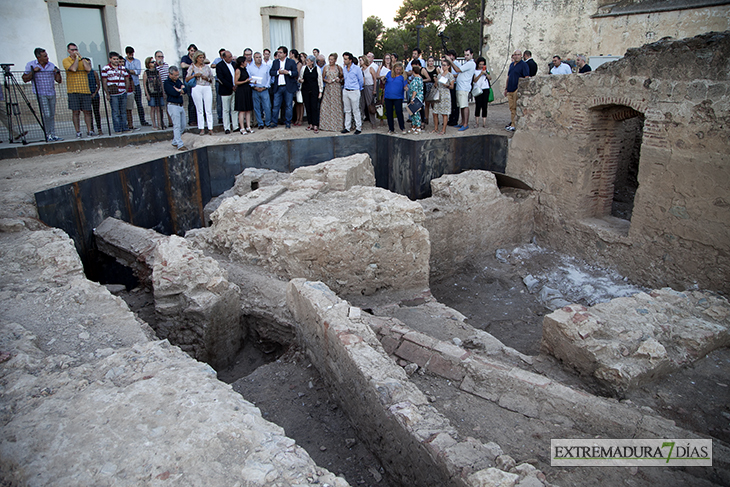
(430, 89)
(383, 71)
(415, 87)
(481, 91)
(152, 83)
(367, 105)
(445, 82)
(202, 92)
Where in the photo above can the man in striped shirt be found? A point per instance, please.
(114, 80)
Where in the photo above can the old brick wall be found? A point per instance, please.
(569, 140)
(571, 27)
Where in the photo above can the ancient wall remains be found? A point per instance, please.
(468, 217)
(571, 141)
(572, 27)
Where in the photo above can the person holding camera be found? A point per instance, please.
(44, 73)
(77, 84)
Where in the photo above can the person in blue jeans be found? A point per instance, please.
(285, 74)
(174, 89)
(395, 87)
(115, 80)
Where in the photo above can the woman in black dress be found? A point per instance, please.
(311, 79)
(244, 95)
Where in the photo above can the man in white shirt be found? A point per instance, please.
(225, 74)
(559, 67)
(463, 86)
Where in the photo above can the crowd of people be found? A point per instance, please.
(257, 90)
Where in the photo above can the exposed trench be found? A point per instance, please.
(277, 377)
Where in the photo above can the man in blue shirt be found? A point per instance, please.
(463, 86)
(518, 69)
(43, 73)
(260, 81)
(351, 94)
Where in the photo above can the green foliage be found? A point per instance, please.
(372, 30)
(457, 19)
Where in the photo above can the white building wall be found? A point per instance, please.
(170, 25)
(25, 25)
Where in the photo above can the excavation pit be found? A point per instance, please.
(441, 194)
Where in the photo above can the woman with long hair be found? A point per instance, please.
(429, 84)
(482, 79)
(331, 113)
(382, 71)
(202, 92)
(445, 82)
(394, 87)
(244, 95)
(152, 83)
(298, 100)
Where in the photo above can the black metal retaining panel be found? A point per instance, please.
(168, 194)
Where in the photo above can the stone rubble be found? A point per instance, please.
(357, 239)
(633, 340)
(90, 398)
(467, 216)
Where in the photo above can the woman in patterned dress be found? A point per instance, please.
(415, 87)
(443, 105)
(331, 112)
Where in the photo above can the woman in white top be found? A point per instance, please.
(368, 90)
(202, 92)
(382, 72)
(482, 79)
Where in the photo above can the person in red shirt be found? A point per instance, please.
(115, 81)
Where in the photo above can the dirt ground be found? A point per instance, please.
(495, 299)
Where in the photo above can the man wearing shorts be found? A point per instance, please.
(463, 86)
(77, 84)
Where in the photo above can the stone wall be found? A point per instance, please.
(569, 140)
(468, 218)
(414, 442)
(91, 398)
(572, 27)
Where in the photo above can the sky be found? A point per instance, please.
(385, 9)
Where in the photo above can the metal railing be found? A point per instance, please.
(25, 107)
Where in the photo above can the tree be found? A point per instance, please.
(456, 19)
(372, 30)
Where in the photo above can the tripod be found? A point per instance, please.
(12, 107)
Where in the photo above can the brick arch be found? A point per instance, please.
(608, 142)
(600, 102)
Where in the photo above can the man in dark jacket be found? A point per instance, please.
(284, 71)
(174, 89)
(224, 71)
(518, 69)
(531, 64)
